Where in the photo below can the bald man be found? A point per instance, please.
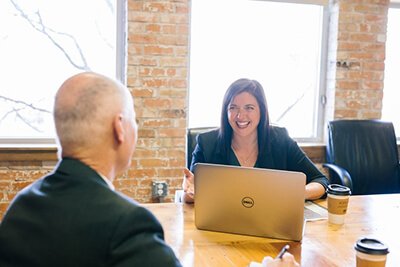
(73, 217)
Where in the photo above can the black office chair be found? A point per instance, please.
(362, 154)
(191, 135)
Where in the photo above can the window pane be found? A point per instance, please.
(256, 40)
(42, 43)
(390, 110)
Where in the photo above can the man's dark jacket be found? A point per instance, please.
(72, 218)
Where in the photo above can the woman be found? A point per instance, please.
(246, 138)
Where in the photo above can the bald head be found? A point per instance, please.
(84, 109)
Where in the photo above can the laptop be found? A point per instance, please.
(249, 201)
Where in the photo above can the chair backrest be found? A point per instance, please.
(191, 142)
(367, 149)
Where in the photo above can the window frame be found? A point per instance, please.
(320, 120)
(320, 104)
(121, 66)
(393, 4)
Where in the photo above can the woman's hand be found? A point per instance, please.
(314, 191)
(188, 186)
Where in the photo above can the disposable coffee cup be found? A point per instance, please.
(370, 252)
(338, 200)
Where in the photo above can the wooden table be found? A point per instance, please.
(323, 244)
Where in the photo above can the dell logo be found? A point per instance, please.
(247, 202)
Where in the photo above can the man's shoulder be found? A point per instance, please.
(126, 205)
(124, 201)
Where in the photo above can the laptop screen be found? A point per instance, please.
(249, 201)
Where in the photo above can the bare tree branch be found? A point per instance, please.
(110, 5)
(25, 104)
(64, 42)
(40, 27)
(27, 122)
(102, 37)
(18, 115)
(6, 115)
(111, 8)
(297, 100)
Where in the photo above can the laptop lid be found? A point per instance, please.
(249, 201)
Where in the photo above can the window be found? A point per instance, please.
(390, 109)
(256, 40)
(43, 43)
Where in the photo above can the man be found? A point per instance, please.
(73, 216)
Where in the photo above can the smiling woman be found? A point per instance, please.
(244, 125)
(246, 138)
(57, 47)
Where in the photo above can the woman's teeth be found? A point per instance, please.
(242, 124)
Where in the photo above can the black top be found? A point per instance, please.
(283, 153)
(72, 218)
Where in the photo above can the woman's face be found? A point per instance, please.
(244, 114)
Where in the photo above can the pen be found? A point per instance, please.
(283, 250)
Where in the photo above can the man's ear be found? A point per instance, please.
(119, 132)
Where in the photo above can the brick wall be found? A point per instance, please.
(158, 34)
(19, 168)
(360, 58)
(158, 56)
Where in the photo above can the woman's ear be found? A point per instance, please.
(119, 132)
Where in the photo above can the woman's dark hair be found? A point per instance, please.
(225, 132)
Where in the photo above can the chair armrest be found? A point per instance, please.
(341, 173)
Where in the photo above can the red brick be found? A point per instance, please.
(170, 172)
(374, 66)
(348, 114)
(158, 50)
(372, 85)
(169, 29)
(157, 72)
(172, 132)
(146, 152)
(153, 28)
(135, 5)
(125, 183)
(158, 7)
(142, 173)
(347, 85)
(148, 62)
(155, 162)
(171, 72)
(142, 38)
(343, 46)
(160, 103)
(157, 123)
(143, 92)
(362, 37)
(173, 113)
